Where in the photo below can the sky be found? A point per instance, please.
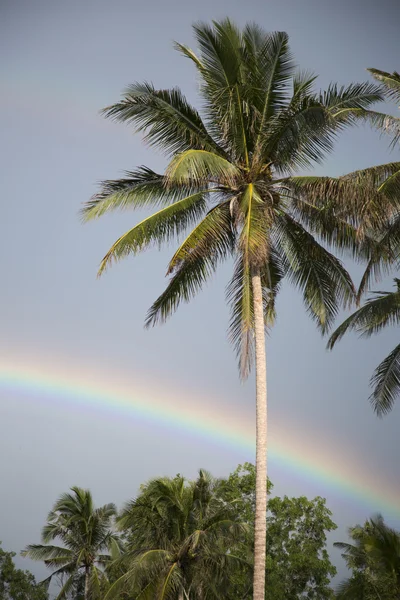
(63, 62)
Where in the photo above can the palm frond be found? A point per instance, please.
(341, 102)
(142, 187)
(303, 84)
(98, 584)
(171, 583)
(272, 275)
(166, 117)
(198, 167)
(391, 81)
(386, 124)
(160, 227)
(384, 178)
(221, 85)
(300, 136)
(186, 282)
(189, 53)
(380, 311)
(351, 589)
(356, 199)
(386, 384)
(385, 253)
(325, 284)
(66, 588)
(276, 70)
(52, 555)
(239, 296)
(331, 227)
(194, 262)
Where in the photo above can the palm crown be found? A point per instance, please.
(87, 537)
(374, 556)
(226, 178)
(179, 540)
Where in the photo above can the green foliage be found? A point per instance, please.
(88, 545)
(223, 187)
(185, 539)
(179, 536)
(239, 489)
(16, 584)
(368, 202)
(298, 564)
(374, 559)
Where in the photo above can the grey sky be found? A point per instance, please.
(62, 62)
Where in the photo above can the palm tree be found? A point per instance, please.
(179, 541)
(225, 180)
(86, 534)
(382, 310)
(374, 558)
(367, 202)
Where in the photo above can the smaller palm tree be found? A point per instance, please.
(375, 559)
(88, 543)
(382, 310)
(385, 179)
(180, 540)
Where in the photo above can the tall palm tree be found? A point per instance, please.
(87, 537)
(225, 180)
(374, 557)
(382, 310)
(179, 541)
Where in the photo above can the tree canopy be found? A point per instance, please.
(89, 543)
(374, 559)
(16, 584)
(179, 539)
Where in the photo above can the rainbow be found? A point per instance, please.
(202, 420)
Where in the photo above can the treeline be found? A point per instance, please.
(191, 540)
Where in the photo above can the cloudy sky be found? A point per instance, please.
(62, 62)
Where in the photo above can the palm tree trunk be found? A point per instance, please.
(260, 525)
(87, 582)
